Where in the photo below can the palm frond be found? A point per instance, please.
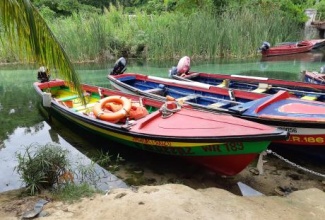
(23, 24)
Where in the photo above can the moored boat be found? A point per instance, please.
(304, 119)
(263, 85)
(285, 49)
(313, 78)
(220, 142)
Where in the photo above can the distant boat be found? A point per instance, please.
(314, 78)
(217, 141)
(317, 43)
(286, 49)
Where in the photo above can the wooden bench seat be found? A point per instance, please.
(186, 98)
(154, 91)
(310, 97)
(262, 87)
(218, 105)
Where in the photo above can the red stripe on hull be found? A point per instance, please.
(229, 165)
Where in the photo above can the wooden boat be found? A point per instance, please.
(285, 49)
(220, 142)
(314, 77)
(263, 85)
(304, 119)
(317, 43)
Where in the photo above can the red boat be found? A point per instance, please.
(217, 141)
(285, 49)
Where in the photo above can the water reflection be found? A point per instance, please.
(23, 137)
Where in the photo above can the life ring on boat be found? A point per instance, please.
(100, 113)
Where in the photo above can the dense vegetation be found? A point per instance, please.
(168, 29)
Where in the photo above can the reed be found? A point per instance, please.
(236, 33)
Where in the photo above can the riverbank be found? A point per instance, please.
(289, 193)
(175, 201)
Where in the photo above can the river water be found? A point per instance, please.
(22, 125)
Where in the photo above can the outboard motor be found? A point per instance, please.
(119, 67)
(265, 46)
(43, 74)
(172, 71)
(322, 69)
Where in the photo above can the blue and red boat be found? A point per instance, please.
(264, 85)
(303, 118)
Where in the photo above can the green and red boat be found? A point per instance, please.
(217, 141)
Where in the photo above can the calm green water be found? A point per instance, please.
(21, 123)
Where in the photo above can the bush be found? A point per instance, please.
(43, 168)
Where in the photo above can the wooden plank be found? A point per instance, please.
(224, 84)
(310, 97)
(262, 87)
(186, 98)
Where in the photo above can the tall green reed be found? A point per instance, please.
(236, 33)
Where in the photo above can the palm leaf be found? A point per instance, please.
(23, 24)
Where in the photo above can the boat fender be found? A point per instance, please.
(46, 99)
(119, 67)
(101, 113)
(138, 112)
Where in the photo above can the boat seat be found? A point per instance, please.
(84, 107)
(186, 98)
(63, 99)
(154, 91)
(218, 105)
(224, 84)
(310, 97)
(262, 87)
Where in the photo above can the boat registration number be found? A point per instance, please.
(306, 139)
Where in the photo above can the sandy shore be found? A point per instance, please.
(176, 201)
(289, 193)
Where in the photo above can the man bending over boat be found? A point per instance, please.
(183, 67)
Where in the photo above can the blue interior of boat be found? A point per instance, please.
(192, 96)
(306, 93)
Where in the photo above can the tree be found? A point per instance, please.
(23, 24)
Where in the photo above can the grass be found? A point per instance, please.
(235, 33)
(73, 192)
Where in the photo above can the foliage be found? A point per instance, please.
(42, 169)
(169, 29)
(27, 31)
(231, 33)
(320, 7)
(74, 192)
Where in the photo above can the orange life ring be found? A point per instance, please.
(100, 113)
